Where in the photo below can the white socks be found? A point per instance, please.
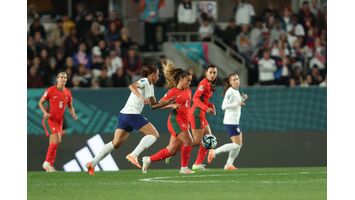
(145, 142)
(233, 155)
(226, 148)
(103, 153)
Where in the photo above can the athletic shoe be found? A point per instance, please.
(91, 168)
(133, 159)
(211, 155)
(198, 167)
(47, 166)
(186, 170)
(146, 163)
(167, 160)
(230, 167)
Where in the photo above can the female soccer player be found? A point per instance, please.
(142, 92)
(232, 104)
(179, 81)
(58, 97)
(200, 107)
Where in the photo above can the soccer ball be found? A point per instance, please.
(209, 141)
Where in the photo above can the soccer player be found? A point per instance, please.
(232, 103)
(178, 80)
(142, 92)
(201, 106)
(58, 97)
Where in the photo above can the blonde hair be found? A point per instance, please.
(173, 74)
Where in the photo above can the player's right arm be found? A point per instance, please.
(198, 93)
(44, 98)
(134, 88)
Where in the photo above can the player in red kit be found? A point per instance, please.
(201, 106)
(58, 97)
(179, 81)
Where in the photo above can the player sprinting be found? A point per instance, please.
(232, 103)
(178, 80)
(201, 106)
(58, 97)
(142, 92)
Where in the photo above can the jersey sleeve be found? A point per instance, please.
(229, 100)
(167, 96)
(47, 94)
(197, 97)
(143, 83)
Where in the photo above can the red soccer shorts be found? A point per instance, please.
(51, 127)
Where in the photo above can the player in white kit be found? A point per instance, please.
(142, 92)
(232, 103)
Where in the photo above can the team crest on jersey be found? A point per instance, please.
(201, 87)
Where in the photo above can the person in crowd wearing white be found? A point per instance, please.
(244, 13)
(187, 16)
(267, 67)
(205, 31)
(232, 103)
(142, 92)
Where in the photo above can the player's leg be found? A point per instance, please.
(186, 147)
(167, 160)
(202, 152)
(238, 141)
(53, 131)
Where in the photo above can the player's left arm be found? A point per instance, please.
(71, 109)
(161, 104)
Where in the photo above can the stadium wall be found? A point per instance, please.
(281, 127)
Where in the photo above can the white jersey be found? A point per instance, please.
(134, 104)
(231, 106)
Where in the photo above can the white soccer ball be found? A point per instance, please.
(209, 141)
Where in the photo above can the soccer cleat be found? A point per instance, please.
(91, 168)
(230, 167)
(167, 160)
(198, 167)
(211, 155)
(133, 159)
(47, 166)
(146, 163)
(186, 170)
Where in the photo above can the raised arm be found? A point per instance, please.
(134, 88)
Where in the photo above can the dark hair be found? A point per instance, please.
(226, 83)
(172, 74)
(149, 69)
(213, 83)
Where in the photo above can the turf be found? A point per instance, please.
(246, 184)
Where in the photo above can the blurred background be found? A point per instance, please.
(103, 44)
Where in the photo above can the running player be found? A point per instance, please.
(201, 106)
(232, 104)
(58, 97)
(142, 92)
(178, 80)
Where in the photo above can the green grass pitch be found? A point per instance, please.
(245, 184)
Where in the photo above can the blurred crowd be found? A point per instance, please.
(281, 46)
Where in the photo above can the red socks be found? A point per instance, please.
(202, 152)
(160, 155)
(185, 155)
(51, 153)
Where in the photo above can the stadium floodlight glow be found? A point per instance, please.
(96, 144)
(84, 155)
(72, 166)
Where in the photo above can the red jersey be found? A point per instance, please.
(202, 94)
(58, 100)
(183, 98)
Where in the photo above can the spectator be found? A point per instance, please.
(70, 75)
(39, 41)
(93, 37)
(83, 77)
(58, 35)
(267, 67)
(115, 62)
(69, 63)
(34, 79)
(97, 61)
(68, 24)
(304, 13)
(256, 34)
(244, 13)
(32, 12)
(51, 48)
(296, 28)
(205, 31)
(104, 79)
(71, 43)
(60, 59)
(132, 64)
(31, 48)
(187, 16)
(51, 72)
(243, 42)
(114, 18)
(81, 11)
(84, 25)
(314, 78)
(230, 33)
(103, 49)
(101, 20)
(44, 64)
(194, 80)
(150, 9)
(81, 57)
(297, 78)
(285, 72)
(286, 19)
(37, 26)
(126, 40)
(120, 78)
(112, 34)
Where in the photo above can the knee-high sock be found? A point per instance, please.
(145, 142)
(233, 155)
(50, 153)
(103, 153)
(54, 154)
(160, 155)
(202, 152)
(185, 155)
(226, 148)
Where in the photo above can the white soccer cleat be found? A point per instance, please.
(146, 163)
(199, 167)
(47, 166)
(186, 170)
